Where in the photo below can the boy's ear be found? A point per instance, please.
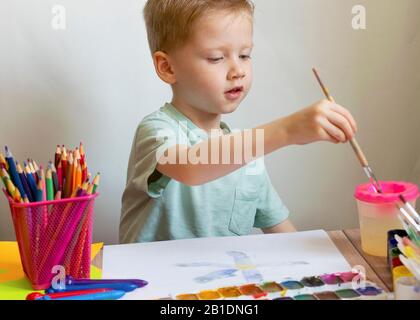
(163, 67)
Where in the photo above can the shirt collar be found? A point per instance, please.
(175, 114)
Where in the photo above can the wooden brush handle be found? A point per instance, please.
(354, 144)
(359, 152)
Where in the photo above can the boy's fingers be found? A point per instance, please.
(344, 112)
(334, 134)
(341, 123)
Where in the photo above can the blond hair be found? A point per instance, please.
(169, 23)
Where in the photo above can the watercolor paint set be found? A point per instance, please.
(335, 286)
(404, 264)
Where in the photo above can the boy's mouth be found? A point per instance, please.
(234, 93)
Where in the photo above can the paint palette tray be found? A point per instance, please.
(336, 286)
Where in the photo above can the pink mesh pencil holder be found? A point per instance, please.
(54, 233)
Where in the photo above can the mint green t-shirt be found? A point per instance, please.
(156, 207)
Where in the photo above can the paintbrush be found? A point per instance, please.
(409, 220)
(411, 209)
(411, 229)
(353, 142)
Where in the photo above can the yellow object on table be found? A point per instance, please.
(398, 272)
(13, 282)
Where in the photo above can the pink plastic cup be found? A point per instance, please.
(378, 213)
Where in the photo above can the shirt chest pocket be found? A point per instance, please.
(243, 211)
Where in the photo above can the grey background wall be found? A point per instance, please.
(94, 82)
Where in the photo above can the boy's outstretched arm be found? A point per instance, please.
(323, 121)
(285, 226)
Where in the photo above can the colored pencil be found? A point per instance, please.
(76, 155)
(31, 180)
(49, 185)
(57, 157)
(38, 197)
(60, 176)
(79, 176)
(58, 195)
(90, 189)
(43, 185)
(31, 169)
(74, 178)
(84, 171)
(13, 191)
(36, 167)
(25, 184)
(13, 171)
(64, 160)
(4, 175)
(55, 178)
(85, 186)
(96, 182)
(10, 187)
(82, 154)
(69, 176)
(17, 195)
(3, 162)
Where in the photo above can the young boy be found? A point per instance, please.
(202, 49)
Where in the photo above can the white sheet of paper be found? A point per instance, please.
(189, 266)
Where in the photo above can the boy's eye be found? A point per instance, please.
(245, 56)
(215, 59)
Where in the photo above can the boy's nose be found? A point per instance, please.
(236, 72)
